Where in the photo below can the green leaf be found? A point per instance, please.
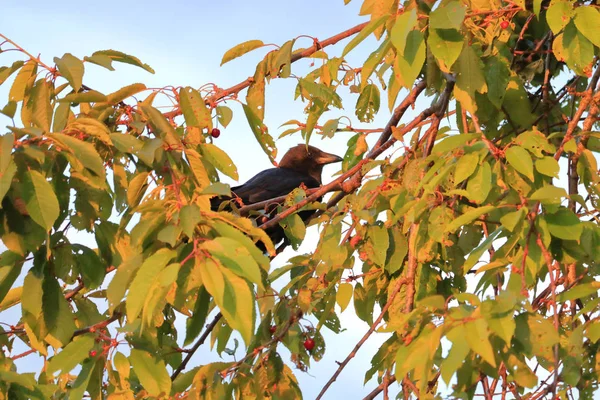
(477, 252)
(114, 55)
(124, 93)
(578, 292)
(138, 291)
(261, 133)
(195, 323)
(40, 200)
(564, 225)
(587, 21)
(446, 46)
(84, 152)
(344, 295)
(457, 354)
(368, 103)
(512, 219)
(194, 109)
(520, 159)
(122, 279)
(575, 49)
(160, 126)
(189, 217)
(547, 166)
(469, 78)
(40, 105)
(452, 142)
(364, 33)
(6, 178)
(404, 24)
(477, 337)
(466, 165)
(409, 64)
(225, 115)
(480, 184)
(469, 217)
(151, 372)
(549, 192)
(241, 49)
(234, 256)
(91, 266)
(72, 355)
(80, 385)
(71, 68)
(593, 331)
(219, 159)
(27, 72)
(559, 14)
(233, 296)
(25, 380)
(497, 75)
(294, 230)
(448, 15)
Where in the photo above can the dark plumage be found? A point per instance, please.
(301, 166)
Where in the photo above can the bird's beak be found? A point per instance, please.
(327, 158)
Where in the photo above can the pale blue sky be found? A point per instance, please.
(184, 42)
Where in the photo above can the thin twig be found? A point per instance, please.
(399, 283)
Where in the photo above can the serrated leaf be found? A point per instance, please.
(83, 151)
(41, 109)
(72, 355)
(241, 49)
(548, 192)
(219, 159)
(151, 372)
(480, 184)
(117, 56)
(71, 68)
(520, 159)
(225, 115)
(40, 200)
(564, 224)
(547, 166)
(233, 296)
(477, 337)
(235, 257)
(446, 46)
(17, 90)
(344, 295)
(160, 126)
(364, 33)
(6, 72)
(466, 165)
(143, 281)
(368, 103)
(261, 133)
(559, 14)
(124, 93)
(404, 24)
(469, 217)
(587, 20)
(194, 109)
(448, 15)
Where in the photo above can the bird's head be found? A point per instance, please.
(308, 159)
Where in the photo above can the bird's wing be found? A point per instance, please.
(271, 183)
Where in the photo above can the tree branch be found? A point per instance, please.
(399, 283)
(188, 357)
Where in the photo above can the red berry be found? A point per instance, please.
(504, 24)
(113, 343)
(309, 344)
(93, 353)
(273, 329)
(216, 132)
